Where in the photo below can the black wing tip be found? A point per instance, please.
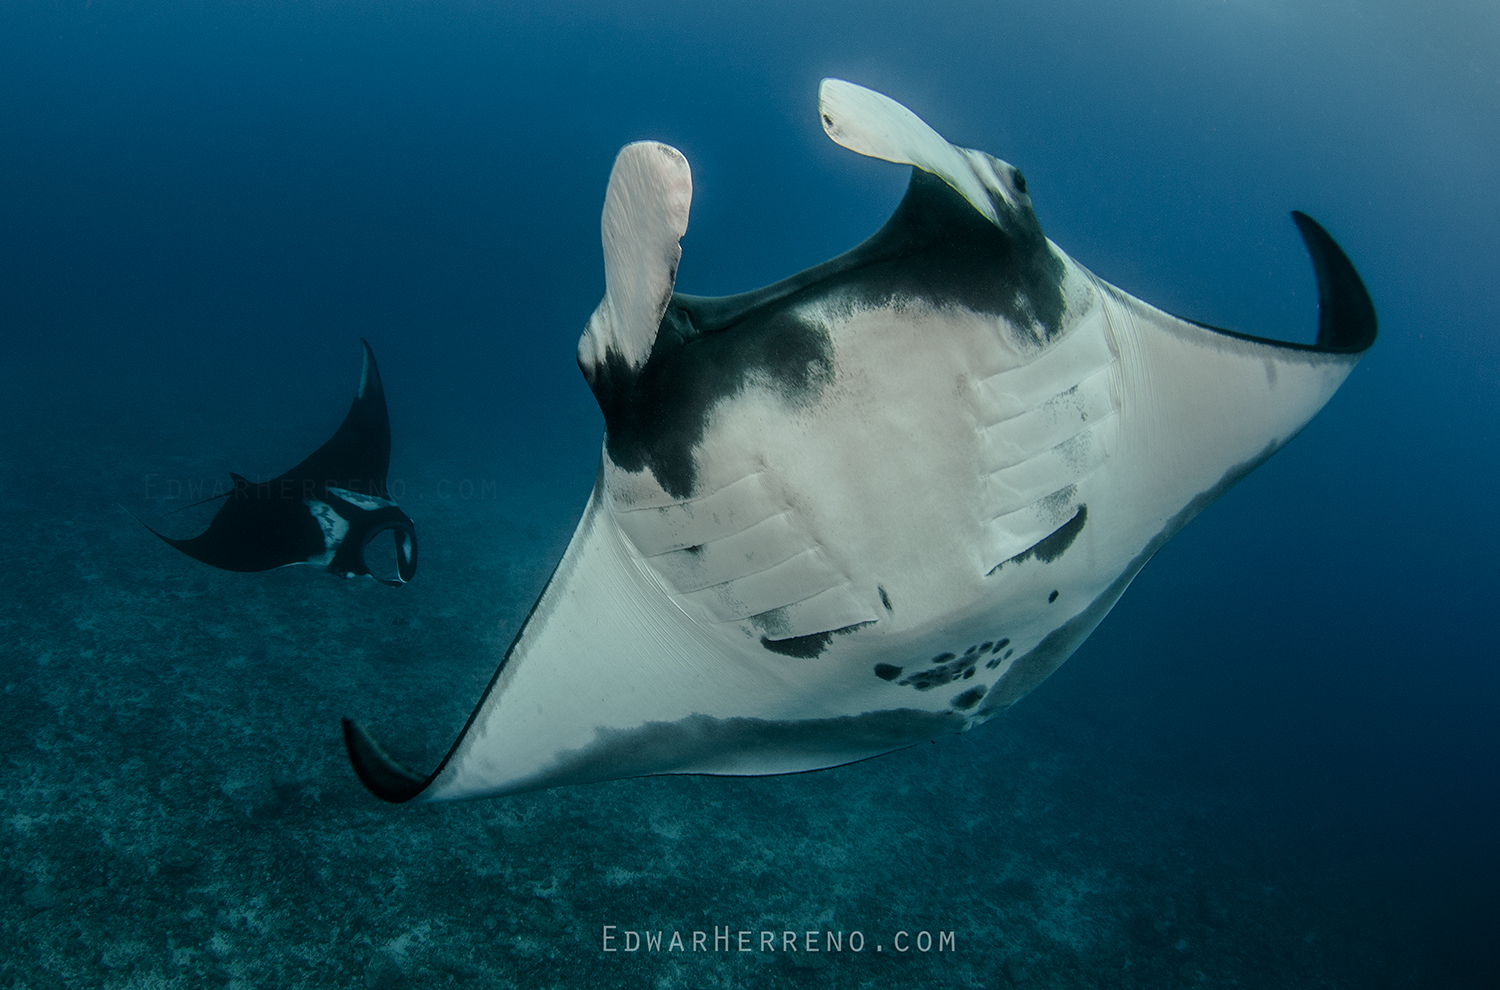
(382, 775)
(369, 374)
(1346, 314)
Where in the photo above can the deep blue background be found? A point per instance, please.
(203, 205)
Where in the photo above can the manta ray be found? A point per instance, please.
(872, 504)
(324, 512)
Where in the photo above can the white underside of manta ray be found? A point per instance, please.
(873, 504)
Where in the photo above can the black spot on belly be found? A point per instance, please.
(984, 647)
(1001, 645)
(992, 664)
(947, 670)
(1052, 597)
(802, 647)
(810, 646)
(1061, 538)
(926, 680)
(887, 672)
(968, 699)
(885, 600)
(1054, 544)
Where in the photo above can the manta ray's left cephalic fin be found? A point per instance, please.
(645, 215)
(324, 511)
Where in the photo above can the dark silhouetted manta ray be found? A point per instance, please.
(325, 511)
(874, 503)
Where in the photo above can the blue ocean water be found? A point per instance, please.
(1274, 764)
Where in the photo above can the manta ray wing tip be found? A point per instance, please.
(1346, 314)
(386, 778)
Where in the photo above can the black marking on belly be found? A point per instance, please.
(802, 647)
(655, 418)
(772, 622)
(699, 744)
(1054, 544)
(945, 668)
(997, 661)
(810, 646)
(935, 249)
(969, 698)
(885, 600)
(1041, 660)
(949, 669)
(1052, 597)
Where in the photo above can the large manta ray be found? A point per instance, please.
(874, 503)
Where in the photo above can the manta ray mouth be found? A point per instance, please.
(393, 571)
(366, 517)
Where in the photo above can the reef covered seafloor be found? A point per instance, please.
(178, 810)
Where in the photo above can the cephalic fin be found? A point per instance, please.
(645, 216)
